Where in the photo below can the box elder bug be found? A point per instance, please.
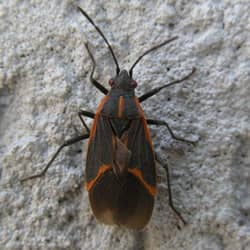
(120, 165)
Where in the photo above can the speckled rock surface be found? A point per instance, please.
(44, 71)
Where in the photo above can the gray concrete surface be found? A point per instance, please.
(44, 71)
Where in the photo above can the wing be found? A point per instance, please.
(142, 161)
(100, 150)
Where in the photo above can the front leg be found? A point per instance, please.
(163, 123)
(98, 85)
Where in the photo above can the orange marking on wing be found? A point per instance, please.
(146, 130)
(137, 172)
(120, 106)
(103, 101)
(147, 134)
(137, 103)
(93, 129)
(103, 168)
(97, 114)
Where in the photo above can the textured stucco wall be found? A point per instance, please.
(44, 81)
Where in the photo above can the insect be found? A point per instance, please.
(120, 165)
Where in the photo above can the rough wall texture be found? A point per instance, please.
(44, 72)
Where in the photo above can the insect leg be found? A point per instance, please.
(66, 143)
(104, 38)
(163, 123)
(86, 114)
(158, 89)
(170, 201)
(94, 81)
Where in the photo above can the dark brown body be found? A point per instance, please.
(120, 169)
(120, 166)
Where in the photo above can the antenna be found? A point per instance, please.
(148, 51)
(102, 35)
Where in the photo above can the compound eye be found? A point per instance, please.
(111, 82)
(134, 84)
